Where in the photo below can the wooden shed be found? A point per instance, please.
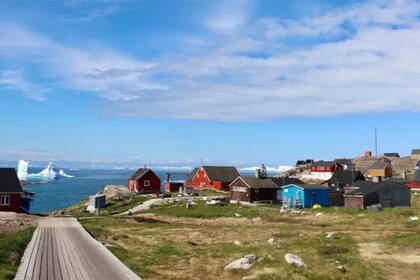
(380, 169)
(144, 180)
(214, 177)
(250, 189)
(386, 193)
(305, 196)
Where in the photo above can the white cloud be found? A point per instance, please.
(228, 16)
(15, 80)
(362, 58)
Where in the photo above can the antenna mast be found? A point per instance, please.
(376, 141)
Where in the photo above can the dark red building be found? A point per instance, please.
(144, 180)
(10, 191)
(326, 166)
(214, 177)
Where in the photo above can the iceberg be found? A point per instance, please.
(61, 173)
(22, 169)
(47, 174)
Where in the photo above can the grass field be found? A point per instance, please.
(12, 247)
(172, 242)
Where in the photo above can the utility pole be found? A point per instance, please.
(376, 141)
(201, 160)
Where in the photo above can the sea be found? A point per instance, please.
(64, 192)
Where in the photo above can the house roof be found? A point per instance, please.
(345, 161)
(139, 173)
(192, 173)
(307, 187)
(322, 163)
(379, 165)
(9, 181)
(415, 152)
(367, 187)
(391, 155)
(416, 175)
(346, 177)
(221, 173)
(269, 182)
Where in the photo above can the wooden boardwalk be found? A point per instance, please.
(61, 249)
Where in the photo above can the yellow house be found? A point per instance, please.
(380, 169)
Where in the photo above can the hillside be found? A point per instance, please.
(399, 165)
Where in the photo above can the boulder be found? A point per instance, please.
(256, 220)
(237, 243)
(414, 218)
(117, 192)
(271, 241)
(242, 263)
(294, 260)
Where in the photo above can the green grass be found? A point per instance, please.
(203, 211)
(12, 247)
(404, 241)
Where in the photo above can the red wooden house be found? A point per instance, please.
(144, 180)
(11, 192)
(214, 177)
(326, 167)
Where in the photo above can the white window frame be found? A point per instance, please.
(146, 183)
(5, 199)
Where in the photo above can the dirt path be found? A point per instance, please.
(62, 249)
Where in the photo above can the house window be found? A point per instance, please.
(5, 200)
(146, 183)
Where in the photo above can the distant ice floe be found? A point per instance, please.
(47, 174)
(280, 168)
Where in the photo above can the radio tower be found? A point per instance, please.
(376, 141)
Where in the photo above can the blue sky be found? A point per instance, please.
(239, 82)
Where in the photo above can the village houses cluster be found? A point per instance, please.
(311, 183)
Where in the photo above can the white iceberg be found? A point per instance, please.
(61, 172)
(22, 169)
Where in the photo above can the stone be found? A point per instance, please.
(342, 268)
(282, 210)
(237, 243)
(318, 214)
(414, 218)
(256, 220)
(271, 241)
(242, 263)
(294, 260)
(117, 192)
(330, 234)
(238, 215)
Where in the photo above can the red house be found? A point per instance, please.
(10, 191)
(214, 177)
(414, 184)
(326, 166)
(144, 180)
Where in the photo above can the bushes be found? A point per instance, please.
(12, 248)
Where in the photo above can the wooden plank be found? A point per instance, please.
(71, 264)
(50, 259)
(38, 260)
(55, 256)
(28, 258)
(44, 260)
(62, 256)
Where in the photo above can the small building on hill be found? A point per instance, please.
(346, 163)
(214, 177)
(144, 180)
(12, 197)
(414, 183)
(251, 189)
(386, 193)
(415, 153)
(325, 169)
(380, 170)
(304, 196)
(395, 155)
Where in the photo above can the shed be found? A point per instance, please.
(12, 196)
(414, 184)
(344, 178)
(144, 180)
(396, 155)
(415, 153)
(380, 169)
(214, 177)
(386, 193)
(304, 196)
(250, 189)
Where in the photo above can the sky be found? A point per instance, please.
(240, 82)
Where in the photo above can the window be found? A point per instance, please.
(146, 183)
(5, 200)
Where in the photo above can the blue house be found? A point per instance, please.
(305, 196)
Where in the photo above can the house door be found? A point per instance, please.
(387, 198)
